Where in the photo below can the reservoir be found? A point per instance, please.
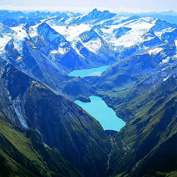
(101, 112)
(89, 72)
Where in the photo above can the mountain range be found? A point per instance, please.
(44, 133)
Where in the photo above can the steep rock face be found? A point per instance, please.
(36, 64)
(62, 124)
(74, 133)
(57, 48)
(96, 48)
(50, 37)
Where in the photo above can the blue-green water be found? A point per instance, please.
(89, 72)
(104, 114)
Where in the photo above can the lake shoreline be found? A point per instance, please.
(105, 115)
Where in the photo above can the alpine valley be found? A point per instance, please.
(131, 64)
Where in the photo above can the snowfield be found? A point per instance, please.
(96, 33)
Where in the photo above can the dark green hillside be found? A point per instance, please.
(147, 145)
(23, 154)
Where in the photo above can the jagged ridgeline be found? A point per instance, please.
(44, 133)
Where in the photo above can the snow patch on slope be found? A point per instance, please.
(166, 60)
(155, 51)
(93, 45)
(76, 49)
(3, 41)
(19, 112)
(165, 79)
(5, 36)
(71, 32)
(20, 35)
(60, 51)
(132, 37)
(176, 43)
(33, 30)
(159, 33)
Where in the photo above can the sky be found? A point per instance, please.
(87, 5)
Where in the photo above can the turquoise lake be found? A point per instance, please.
(101, 112)
(89, 72)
